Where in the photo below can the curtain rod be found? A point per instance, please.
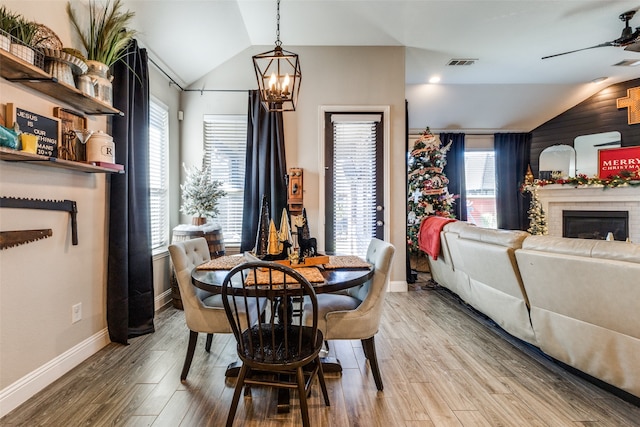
(172, 81)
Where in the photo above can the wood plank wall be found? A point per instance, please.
(594, 115)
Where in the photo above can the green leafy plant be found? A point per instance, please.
(200, 194)
(107, 37)
(8, 20)
(21, 29)
(26, 32)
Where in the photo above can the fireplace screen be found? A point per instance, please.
(595, 224)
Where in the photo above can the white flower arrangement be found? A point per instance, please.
(200, 194)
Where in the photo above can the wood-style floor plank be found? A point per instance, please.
(442, 364)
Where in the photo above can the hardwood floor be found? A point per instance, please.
(442, 365)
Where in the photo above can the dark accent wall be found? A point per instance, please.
(594, 115)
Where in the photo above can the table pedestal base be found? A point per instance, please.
(330, 365)
(233, 369)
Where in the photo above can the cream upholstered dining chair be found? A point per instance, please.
(357, 315)
(203, 311)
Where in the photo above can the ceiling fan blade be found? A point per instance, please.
(633, 47)
(578, 50)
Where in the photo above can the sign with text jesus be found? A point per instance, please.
(616, 160)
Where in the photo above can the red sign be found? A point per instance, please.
(615, 160)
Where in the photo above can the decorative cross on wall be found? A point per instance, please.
(632, 103)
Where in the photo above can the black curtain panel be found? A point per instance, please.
(513, 151)
(130, 276)
(266, 169)
(454, 171)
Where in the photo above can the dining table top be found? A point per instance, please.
(335, 279)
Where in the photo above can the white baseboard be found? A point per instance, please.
(22, 390)
(163, 299)
(398, 286)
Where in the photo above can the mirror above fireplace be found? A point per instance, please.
(557, 161)
(587, 147)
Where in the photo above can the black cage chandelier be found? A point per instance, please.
(278, 73)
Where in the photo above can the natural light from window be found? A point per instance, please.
(480, 182)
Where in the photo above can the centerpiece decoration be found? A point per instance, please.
(200, 194)
(105, 41)
(428, 192)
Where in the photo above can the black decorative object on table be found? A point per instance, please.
(262, 239)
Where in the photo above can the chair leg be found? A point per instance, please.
(369, 347)
(207, 346)
(323, 385)
(191, 348)
(302, 394)
(236, 395)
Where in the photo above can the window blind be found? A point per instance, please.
(354, 183)
(225, 146)
(158, 173)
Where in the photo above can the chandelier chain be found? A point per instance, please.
(278, 42)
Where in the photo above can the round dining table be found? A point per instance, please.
(335, 280)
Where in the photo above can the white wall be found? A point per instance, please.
(40, 281)
(335, 76)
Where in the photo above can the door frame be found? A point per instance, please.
(385, 110)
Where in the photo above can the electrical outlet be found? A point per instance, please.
(76, 312)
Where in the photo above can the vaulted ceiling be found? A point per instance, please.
(507, 38)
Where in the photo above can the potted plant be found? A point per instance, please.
(105, 41)
(200, 195)
(7, 22)
(25, 32)
(19, 35)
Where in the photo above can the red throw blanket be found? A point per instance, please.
(429, 234)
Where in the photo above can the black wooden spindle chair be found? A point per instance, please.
(280, 344)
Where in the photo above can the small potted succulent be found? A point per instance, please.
(200, 195)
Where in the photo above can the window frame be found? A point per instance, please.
(163, 169)
(232, 232)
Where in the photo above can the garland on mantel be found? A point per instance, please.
(629, 178)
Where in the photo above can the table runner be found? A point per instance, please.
(226, 262)
(346, 261)
(312, 274)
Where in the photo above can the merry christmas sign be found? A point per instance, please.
(615, 160)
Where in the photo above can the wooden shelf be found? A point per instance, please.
(10, 155)
(16, 70)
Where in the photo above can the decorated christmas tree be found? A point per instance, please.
(537, 217)
(428, 192)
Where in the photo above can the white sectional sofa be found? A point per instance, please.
(577, 300)
(585, 304)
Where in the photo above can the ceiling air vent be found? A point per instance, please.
(628, 63)
(456, 62)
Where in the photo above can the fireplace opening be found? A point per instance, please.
(595, 224)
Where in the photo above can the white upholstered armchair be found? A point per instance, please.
(203, 311)
(357, 315)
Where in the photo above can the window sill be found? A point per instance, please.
(160, 252)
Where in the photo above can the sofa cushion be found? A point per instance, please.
(616, 250)
(559, 245)
(508, 238)
(612, 250)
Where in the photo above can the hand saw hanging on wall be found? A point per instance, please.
(9, 239)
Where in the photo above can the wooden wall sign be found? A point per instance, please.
(70, 148)
(45, 128)
(632, 103)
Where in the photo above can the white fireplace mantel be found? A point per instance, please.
(556, 198)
